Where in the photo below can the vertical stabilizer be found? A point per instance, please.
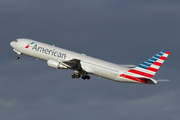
(147, 69)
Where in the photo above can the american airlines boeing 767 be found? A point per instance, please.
(83, 65)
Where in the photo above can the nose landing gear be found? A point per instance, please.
(17, 57)
(18, 53)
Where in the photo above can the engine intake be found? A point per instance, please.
(55, 64)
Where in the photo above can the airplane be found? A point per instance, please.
(84, 65)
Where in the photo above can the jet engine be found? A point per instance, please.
(55, 64)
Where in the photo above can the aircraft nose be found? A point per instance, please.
(12, 43)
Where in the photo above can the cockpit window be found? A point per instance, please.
(16, 40)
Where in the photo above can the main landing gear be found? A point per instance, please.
(83, 77)
(82, 74)
(86, 77)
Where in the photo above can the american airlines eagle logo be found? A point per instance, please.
(27, 46)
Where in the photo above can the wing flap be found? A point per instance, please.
(74, 63)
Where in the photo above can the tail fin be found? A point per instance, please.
(147, 69)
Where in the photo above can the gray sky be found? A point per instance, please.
(119, 31)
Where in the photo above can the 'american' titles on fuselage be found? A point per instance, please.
(49, 52)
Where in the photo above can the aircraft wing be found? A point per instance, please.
(73, 64)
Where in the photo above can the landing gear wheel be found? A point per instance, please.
(77, 76)
(17, 57)
(84, 77)
(73, 76)
(87, 77)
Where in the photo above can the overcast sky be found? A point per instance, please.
(119, 31)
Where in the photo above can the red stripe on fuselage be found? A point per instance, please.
(133, 78)
(141, 73)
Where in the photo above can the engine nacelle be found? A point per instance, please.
(55, 64)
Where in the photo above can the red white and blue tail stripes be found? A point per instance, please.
(147, 69)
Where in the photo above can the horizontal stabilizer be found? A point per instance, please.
(128, 66)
